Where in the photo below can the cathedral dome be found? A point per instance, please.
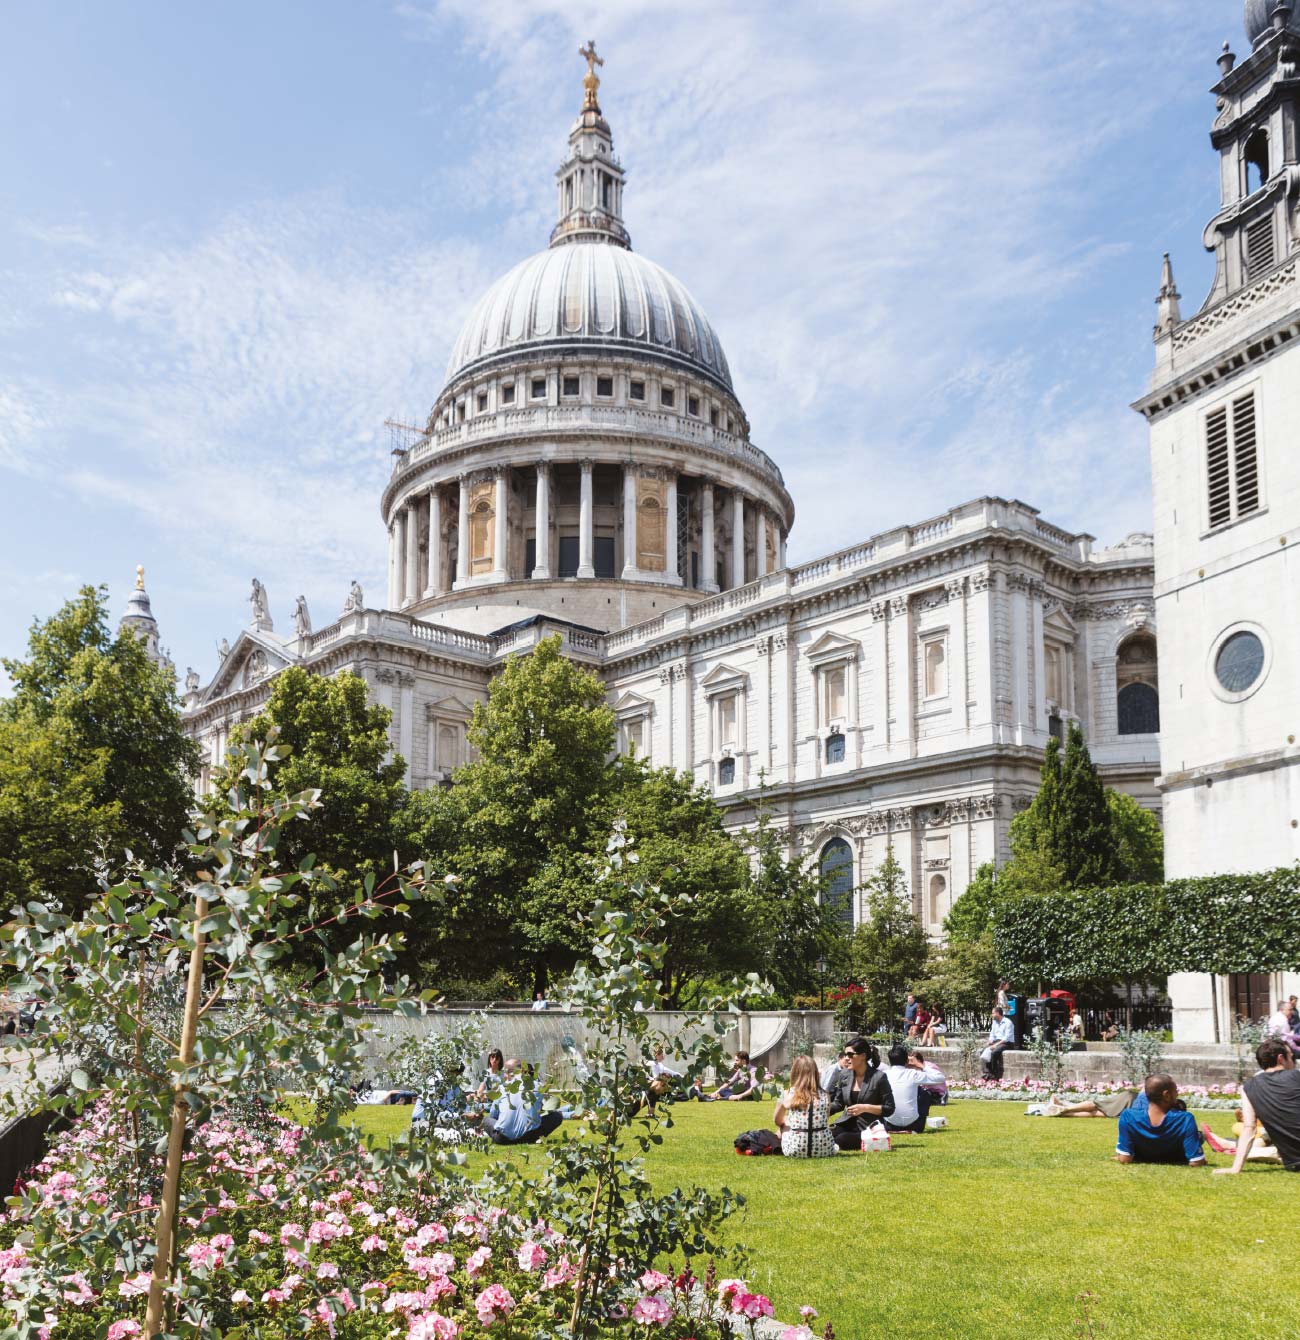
(589, 293)
(1259, 19)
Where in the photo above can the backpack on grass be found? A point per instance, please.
(758, 1142)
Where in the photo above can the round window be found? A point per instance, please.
(1240, 662)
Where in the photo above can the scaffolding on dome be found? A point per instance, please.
(403, 436)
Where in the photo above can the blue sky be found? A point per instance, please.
(235, 238)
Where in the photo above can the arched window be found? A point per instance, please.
(938, 887)
(1139, 710)
(836, 868)
(1136, 693)
(1256, 156)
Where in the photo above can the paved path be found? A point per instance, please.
(15, 1072)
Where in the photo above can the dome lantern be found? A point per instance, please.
(590, 181)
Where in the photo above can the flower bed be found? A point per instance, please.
(265, 1256)
(1222, 1097)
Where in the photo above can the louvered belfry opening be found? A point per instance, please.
(1232, 461)
(1260, 256)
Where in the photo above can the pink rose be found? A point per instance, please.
(478, 1259)
(653, 1280)
(120, 1329)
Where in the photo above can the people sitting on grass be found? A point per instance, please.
(936, 1031)
(491, 1081)
(802, 1115)
(663, 1079)
(1158, 1128)
(861, 1092)
(1002, 1037)
(516, 1118)
(740, 1084)
(1272, 1097)
(912, 1081)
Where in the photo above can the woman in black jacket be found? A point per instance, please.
(861, 1091)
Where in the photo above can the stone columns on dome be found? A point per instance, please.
(411, 573)
(629, 523)
(462, 536)
(433, 583)
(780, 550)
(392, 564)
(586, 524)
(542, 529)
(708, 562)
(670, 537)
(500, 567)
(760, 541)
(737, 538)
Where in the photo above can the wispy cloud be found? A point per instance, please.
(896, 215)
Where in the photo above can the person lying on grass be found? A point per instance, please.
(1158, 1128)
(1274, 1095)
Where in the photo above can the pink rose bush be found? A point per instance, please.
(285, 1258)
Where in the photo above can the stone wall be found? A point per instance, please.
(543, 1036)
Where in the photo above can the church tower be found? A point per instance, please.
(1223, 411)
(138, 617)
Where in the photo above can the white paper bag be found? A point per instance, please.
(875, 1140)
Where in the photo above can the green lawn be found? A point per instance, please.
(990, 1229)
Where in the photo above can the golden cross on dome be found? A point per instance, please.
(591, 80)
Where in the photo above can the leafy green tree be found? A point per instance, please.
(971, 915)
(714, 930)
(93, 758)
(962, 974)
(542, 744)
(1138, 838)
(797, 929)
(890, 948)
(332, 740)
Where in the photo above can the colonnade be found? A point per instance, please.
(415, 575)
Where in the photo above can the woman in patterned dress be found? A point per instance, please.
(802, 1115)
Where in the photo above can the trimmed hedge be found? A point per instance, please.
(1215, 923)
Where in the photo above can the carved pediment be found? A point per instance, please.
(832, 647)
(1059, 624)
(632, 705)
(254, 658)
(448, 706)
(722, 678)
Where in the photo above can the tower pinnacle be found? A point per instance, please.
(1168, 314)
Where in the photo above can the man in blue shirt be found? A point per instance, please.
(1002, 1036)
(1158, 1129)
(516, 1118)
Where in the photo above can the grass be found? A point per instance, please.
(991, 1229)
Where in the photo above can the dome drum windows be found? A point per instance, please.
(605, 387)
(636, 389)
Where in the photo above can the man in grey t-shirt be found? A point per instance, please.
(1271, 1097)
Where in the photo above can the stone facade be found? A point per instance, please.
(587, 470)
(1222, 407)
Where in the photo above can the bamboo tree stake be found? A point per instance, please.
(165, 1238)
